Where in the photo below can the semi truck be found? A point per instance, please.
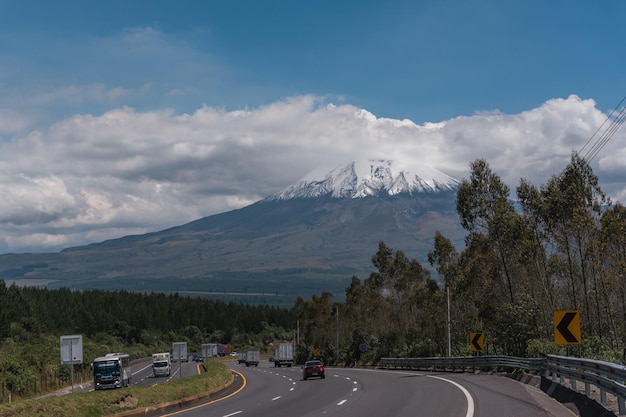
(161, 364)
(283, 355)
(252, 357)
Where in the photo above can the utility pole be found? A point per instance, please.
(337, 335)
(449, 332)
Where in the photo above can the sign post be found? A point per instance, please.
(72, 352)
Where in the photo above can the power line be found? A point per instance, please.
(616, 119)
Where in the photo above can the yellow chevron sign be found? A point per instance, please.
(567, 327)
(477, 342)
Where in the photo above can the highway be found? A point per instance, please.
(266, 391)
(142, 376)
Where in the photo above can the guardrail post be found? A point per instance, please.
(603, 396)
(572, 382)
(587, 389)
(622, 406)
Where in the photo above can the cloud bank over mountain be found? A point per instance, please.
(93, 177)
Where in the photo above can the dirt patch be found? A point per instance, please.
(127, 401)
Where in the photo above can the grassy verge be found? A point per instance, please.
(103, 403)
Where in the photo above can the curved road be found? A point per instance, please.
(276, 392)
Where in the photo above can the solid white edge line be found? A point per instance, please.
(232, 414)
(468, 396)
(342, 402)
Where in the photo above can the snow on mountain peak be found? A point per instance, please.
(367, 178)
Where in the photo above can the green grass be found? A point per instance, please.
(104, 403)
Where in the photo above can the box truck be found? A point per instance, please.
(283, 355)
(252, 357)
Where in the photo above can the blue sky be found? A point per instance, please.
(125, 117)
(423, 60)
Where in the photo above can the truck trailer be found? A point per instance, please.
(283, 355)
(252, 357)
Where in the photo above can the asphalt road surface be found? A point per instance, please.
(265, 391)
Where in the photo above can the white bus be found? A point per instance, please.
(111, 371)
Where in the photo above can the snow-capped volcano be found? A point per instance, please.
(367, 178)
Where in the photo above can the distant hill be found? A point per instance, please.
(269, 252)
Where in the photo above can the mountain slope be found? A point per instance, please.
(277, 248)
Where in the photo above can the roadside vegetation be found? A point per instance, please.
(560, 246)
(109, 402)
(33, 319)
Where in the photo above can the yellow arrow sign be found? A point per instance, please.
(477, 342)
(567, 327)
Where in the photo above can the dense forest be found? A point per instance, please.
(33, 319)
(560, 246)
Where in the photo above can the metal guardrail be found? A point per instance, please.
(463, 362)
(606, 376)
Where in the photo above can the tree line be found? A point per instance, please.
(559, 246)
(33, 319)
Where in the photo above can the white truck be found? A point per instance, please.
(209, 350)
(252, 357)
(161, 364)
(283, 355)
(179, 352)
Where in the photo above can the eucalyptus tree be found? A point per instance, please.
(316, 324)
(570, 209)
(402, 280)
(538, 246)
(484, 208)
(613, 245)
(445, 258)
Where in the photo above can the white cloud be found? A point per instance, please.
(92, 177)
(12, 121)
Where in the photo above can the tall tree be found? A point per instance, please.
(484, 208)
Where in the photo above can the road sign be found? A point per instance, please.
(477, 342)
(567, 327)
(72, 349)
(363, 347)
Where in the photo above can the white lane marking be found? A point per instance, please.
(275, 398)
(232, 414)
(354, 389)
(341, 402)
(468, 396)
(291, 389)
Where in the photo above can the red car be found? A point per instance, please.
(312, 369)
